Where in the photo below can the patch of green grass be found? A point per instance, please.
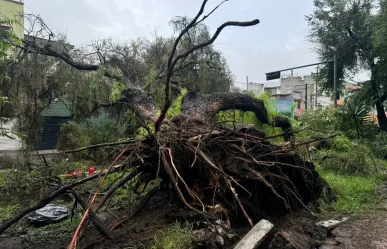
(355, 194)
(7, 211)
(61, 231)
(3, 182)
(175, 237)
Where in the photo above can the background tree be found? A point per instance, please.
(48, 68)
(380, 47)
(347, 28)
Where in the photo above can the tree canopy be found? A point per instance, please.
(46, 67)
(351, 29)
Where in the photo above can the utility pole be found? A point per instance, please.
(291, 79)
(335, 80)
(247, 83)
(315, 101)
(306, 96)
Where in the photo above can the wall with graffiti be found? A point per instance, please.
(282, 106)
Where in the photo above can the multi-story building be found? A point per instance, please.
(305, 87)
(256, 88)
(305, 93)
(12, 16)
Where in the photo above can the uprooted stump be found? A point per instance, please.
(237, 173)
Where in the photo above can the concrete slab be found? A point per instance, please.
(256, 236)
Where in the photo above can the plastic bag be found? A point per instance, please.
(50, 214)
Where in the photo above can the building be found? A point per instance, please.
(256, 88)
(12, 10)
(53, 117)
(305, 93)
(305, 87)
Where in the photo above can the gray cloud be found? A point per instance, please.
(278, 42)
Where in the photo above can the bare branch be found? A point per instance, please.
(48, 51)
(212, 11)
(215, 36)
(171, 65)
(172, 62)
(96, 220)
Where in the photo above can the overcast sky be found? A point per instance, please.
(278, 42)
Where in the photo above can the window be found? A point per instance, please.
(4, 31)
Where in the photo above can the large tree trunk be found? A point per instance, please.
(206, 106)
(382, 119)
(381, 114)
(141, 103)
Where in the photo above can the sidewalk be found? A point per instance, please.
(14, 154)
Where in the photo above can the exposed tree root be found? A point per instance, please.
(208, 167)
(125, 218)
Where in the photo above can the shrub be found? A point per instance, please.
(176, 107)
(353, 117)
(71, 137)
(378, 145)
(326, 121)
(349, 119)
(347, 157)
(16, 185)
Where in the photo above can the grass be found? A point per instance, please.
(175, 237)
(62, 231)
(3, 181)
(355, 194)
(7, 211)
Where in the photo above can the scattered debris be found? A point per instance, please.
(296, 239)
(331, 224)
(213, 235)
(257, 236)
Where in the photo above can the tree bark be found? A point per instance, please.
(205, 107)
(380, 112)
(382, 119)
(141, 103)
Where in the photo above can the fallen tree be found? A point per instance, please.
(214, 170)
(210, 165)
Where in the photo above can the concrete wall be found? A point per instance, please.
(13, 10)
(298, 84)
(256, 88)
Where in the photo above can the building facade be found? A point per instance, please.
(305, 93)
(13, 11)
